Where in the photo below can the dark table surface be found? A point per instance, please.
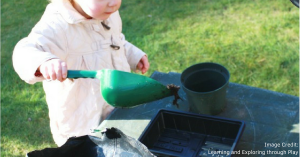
(270, 117)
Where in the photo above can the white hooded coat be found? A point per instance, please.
(75, 107)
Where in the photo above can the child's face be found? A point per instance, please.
(99, 9)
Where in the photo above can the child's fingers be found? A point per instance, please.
(49, 69)
(61, 71)
(146, 64)
(144, 70)
(139, 66)
(58, 71)
(44, 71)
(64, 70)
(54, 69)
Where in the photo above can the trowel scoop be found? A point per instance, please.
(124, 89)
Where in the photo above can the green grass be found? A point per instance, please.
(257, 40)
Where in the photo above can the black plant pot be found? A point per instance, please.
(205, 86)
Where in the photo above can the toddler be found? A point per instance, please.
(76, 35)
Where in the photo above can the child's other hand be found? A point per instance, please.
(143, 65)
(54, 69)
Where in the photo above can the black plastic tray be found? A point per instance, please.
(185, 134)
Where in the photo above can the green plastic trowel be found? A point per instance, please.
(124, 89)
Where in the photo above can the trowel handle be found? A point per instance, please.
(81, 74)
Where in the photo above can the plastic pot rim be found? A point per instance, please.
(227, 78)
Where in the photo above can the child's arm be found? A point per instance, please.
(27, 58)
(44, 43)
(137, 59)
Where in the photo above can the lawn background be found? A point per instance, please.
(256, 40)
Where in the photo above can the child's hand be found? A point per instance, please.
(143, 65)
(54, 69)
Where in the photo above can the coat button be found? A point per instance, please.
(105, 26)
(115, 47)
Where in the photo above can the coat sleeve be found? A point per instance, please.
(37, 48)
(133, 53)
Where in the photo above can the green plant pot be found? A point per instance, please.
(205, 85)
